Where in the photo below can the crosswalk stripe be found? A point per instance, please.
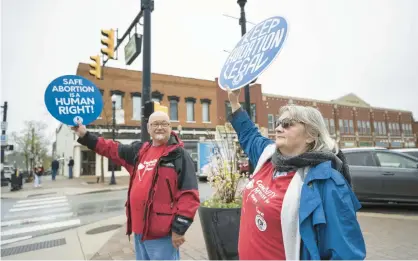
(15, 239)
(35, 219)
(39, 207)
(23, 230)
(39, 203)
(32, 214)
(40, 199)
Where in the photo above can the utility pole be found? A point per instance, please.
(3, 131)
(32, 149)
(243, 23)
(147, 6)
(112, 179)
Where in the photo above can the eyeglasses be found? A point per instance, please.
(286, 123)
(162, 124)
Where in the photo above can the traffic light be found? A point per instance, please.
(159, 107)
(152, 106)
(96, 67)
(109, 42)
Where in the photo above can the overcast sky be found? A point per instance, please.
(333, 47)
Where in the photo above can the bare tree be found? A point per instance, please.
(32, 143)
(107, 119)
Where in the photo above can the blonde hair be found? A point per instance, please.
(314, 125)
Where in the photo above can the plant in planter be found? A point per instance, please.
(220, 214)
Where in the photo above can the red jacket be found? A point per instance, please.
(173, 196)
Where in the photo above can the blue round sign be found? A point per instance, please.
(72, 98)
(256, 50)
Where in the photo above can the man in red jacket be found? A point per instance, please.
(163, 195)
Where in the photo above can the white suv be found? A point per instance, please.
(8, 171)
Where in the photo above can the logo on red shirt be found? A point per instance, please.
(146, 167)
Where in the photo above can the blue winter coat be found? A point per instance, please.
(327, 214)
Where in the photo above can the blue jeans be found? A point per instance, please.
(54, 173)
(70, 172)
(156, 249)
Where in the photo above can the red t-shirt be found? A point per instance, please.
(260, 235)
(140, 185)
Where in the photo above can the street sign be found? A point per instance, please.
(133, 48)
(4, 125)
(3, 139)
(256, 50)
(7, 147)
(72, 98)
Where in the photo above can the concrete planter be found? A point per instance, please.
(220, 227)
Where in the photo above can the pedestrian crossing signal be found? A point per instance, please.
(96, 67)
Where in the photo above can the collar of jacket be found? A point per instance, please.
(311, 195)
(323, 170)
(173, 143)
(173, 140)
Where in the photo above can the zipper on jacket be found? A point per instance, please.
(171, 193)
(150, 192)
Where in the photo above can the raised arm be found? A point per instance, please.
(120, 154)
(250, 139)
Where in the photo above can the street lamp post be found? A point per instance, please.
(243, 23)
(112, 179)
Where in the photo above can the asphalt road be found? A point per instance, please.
(23, 219)
(390, 230)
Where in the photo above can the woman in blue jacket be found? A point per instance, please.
(298, 204)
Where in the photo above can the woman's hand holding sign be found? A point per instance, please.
(233, 97)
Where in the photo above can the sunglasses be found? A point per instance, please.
(286, 123)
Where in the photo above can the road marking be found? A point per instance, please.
(35, 219)
(32, 214)
(23, 230)
(39, 203)
(12, 240)
(39, 207)
(392, 216)
(40, 199)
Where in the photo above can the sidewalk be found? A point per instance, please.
(396, 241)
(119, 247)
(65, 186)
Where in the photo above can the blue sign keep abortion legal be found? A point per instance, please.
(72, 98)
(256, 50)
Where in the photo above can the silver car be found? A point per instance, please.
(410, 151)
(382, 175)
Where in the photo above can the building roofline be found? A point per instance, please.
(332, 102)
(120, 71)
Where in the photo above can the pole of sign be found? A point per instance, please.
(243, 23)
(147, 6)
(112, 179)
(3, 131)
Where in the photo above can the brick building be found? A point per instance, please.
(353, 122)
(197, 107)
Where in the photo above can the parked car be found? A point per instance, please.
(382, 175)
(8, 171)
(410, 151)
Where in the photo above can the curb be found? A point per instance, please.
(100, 191)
